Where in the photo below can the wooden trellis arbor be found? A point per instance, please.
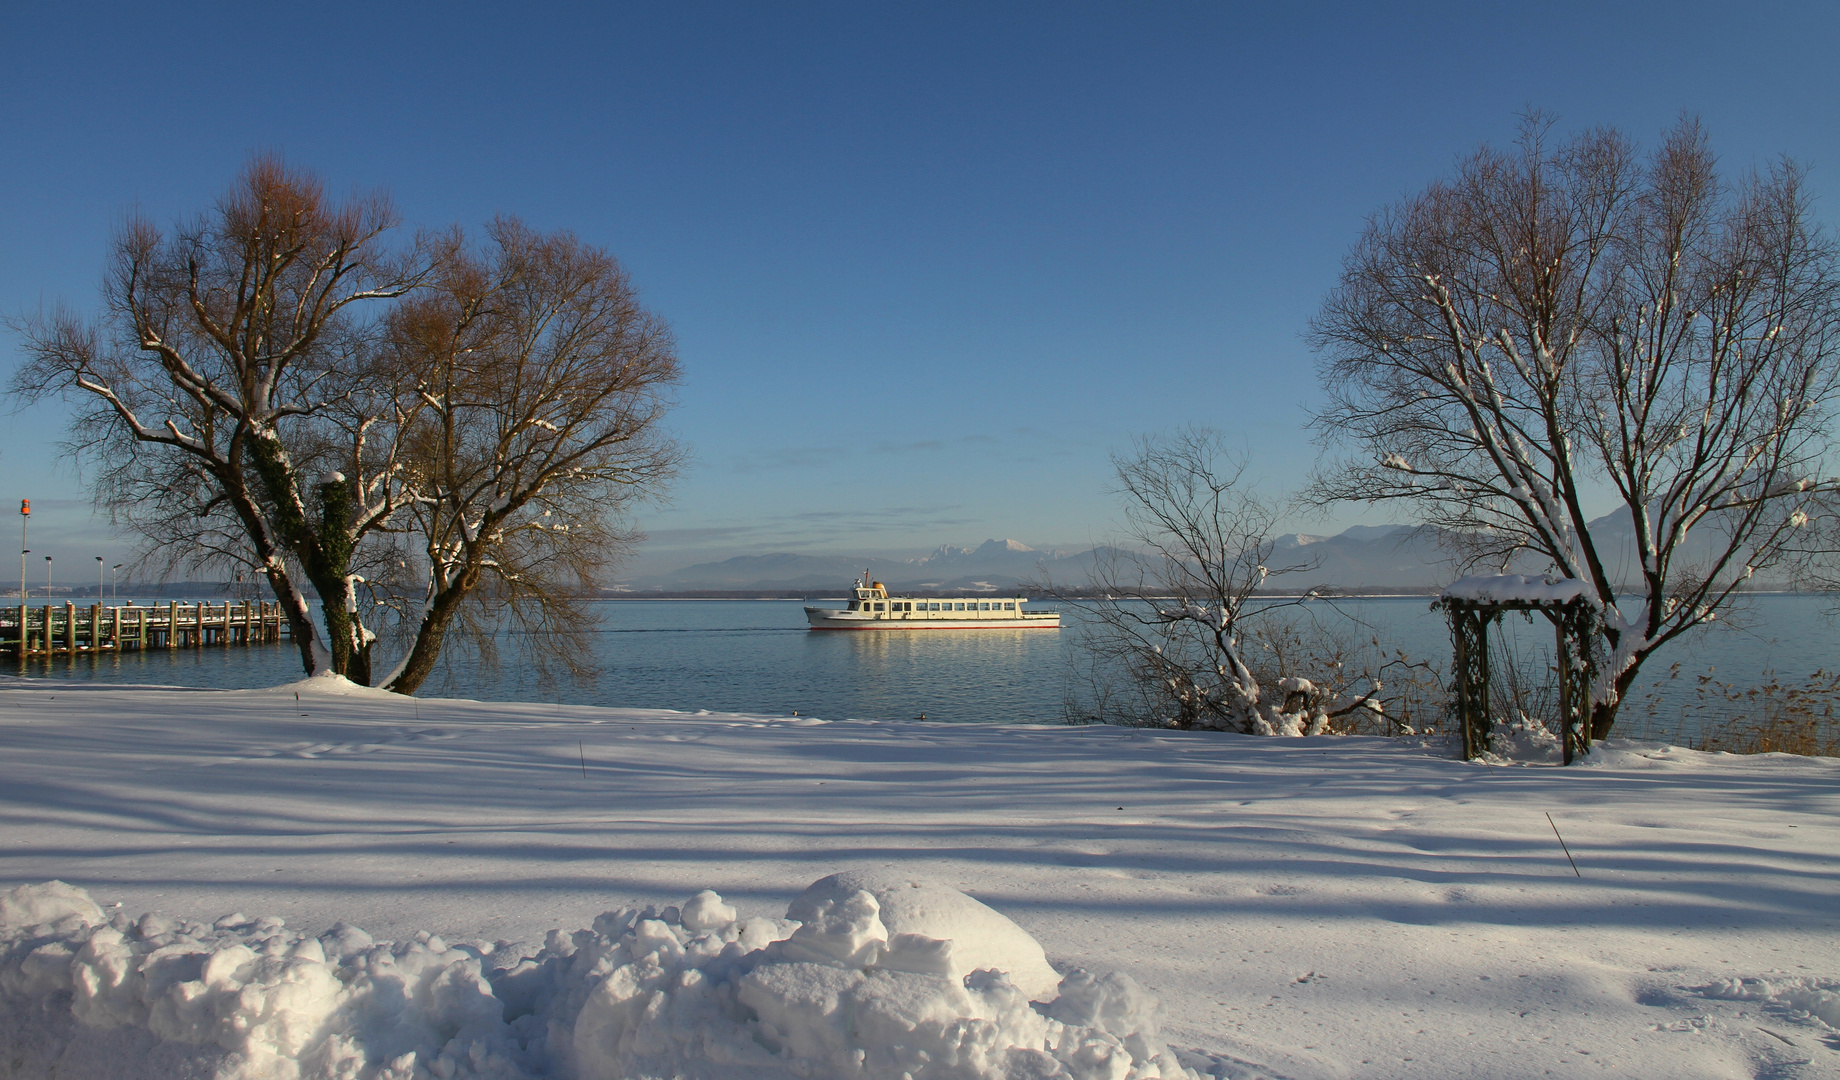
(1472, 603)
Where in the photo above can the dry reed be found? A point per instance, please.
(1771, 717)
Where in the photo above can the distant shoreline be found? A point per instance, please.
(211, 593)
(1397, 593)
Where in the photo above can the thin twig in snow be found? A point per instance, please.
(1562, 847)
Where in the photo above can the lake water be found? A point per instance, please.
(758, 656)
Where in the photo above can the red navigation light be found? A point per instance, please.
(25, 507)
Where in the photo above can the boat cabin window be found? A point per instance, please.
(932, 606)
(1009, 605)
(881, 607)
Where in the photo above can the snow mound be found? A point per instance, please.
(1803, 999)
(332, 683)
(51, 904)
(849, 985)
(962, 935)
(1525, 740)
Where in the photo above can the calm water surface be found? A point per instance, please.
(758, 656)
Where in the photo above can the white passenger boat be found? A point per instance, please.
(871, 608)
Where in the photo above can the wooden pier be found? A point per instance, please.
(68, 630)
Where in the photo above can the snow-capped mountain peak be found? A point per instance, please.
(989, 547)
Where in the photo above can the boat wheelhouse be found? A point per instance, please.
(872, 608)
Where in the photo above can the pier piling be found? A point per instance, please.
(73, 631)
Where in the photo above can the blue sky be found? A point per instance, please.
(928, 264)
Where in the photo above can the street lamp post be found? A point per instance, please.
(25, 515)
(47, 577)
(98, 579)
(114, 583)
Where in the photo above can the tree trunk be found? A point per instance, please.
(342, 631)
(1603, 716)
(325, 554)
(300, 627)
(429, 636)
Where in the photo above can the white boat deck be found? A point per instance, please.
(872, 608)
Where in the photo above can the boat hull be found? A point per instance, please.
(835, 619)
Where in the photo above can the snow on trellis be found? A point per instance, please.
(1473, 602)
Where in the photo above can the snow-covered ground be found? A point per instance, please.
(1301, 907)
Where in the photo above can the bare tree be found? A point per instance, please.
(533, 383)
(216, 392)
(449, 434)
(1174, 621)
(1556, 323)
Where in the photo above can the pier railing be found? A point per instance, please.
(68, 630)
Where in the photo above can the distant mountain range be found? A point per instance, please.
(1409, 557)
(1364, 556)
(991, 566)
(1370, 557)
